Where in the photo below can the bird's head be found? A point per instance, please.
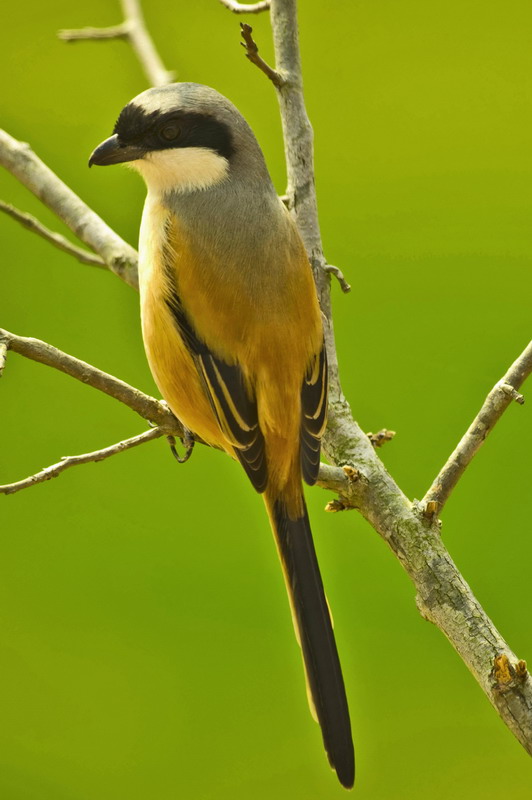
(182, 137)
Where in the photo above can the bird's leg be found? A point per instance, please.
(188, 443)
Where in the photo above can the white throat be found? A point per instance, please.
(181, 169)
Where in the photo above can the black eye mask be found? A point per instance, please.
(161, 131)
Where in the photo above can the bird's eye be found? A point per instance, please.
(169, 132)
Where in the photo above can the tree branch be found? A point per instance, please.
(33, 224)
(495, 404)
(246, 8)
(134, 30)
(21, 161)
(443, 596)
(73, 461)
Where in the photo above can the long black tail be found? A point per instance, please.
(313, 623)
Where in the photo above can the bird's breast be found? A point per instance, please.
(171, 362)
(250, 299)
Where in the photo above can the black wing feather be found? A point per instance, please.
(237, 415)
(313, 415)
(235, 409)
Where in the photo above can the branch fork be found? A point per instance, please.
(133, 29)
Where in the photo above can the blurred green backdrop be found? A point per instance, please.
(146, 645)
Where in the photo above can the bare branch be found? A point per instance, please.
(134, 30)
(21, 161)
(246, 8)
(74, 461)
(443, 596)
(147, 407)
(495, 404)
(33, 224)
(252, 53)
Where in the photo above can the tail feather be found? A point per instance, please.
(315, 635)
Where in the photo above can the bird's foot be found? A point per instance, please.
(188, 443)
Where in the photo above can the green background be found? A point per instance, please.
(146, 645)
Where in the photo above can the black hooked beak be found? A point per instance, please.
(112, 152)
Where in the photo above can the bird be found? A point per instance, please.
(234, 336)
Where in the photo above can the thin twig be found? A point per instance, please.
(246, 8)
(32, 224)
(501, 396)
(74, 461)
(121, 31)
(252, 52)
(134, 30)
(21, 161)
(339, 275)
(147, 407)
